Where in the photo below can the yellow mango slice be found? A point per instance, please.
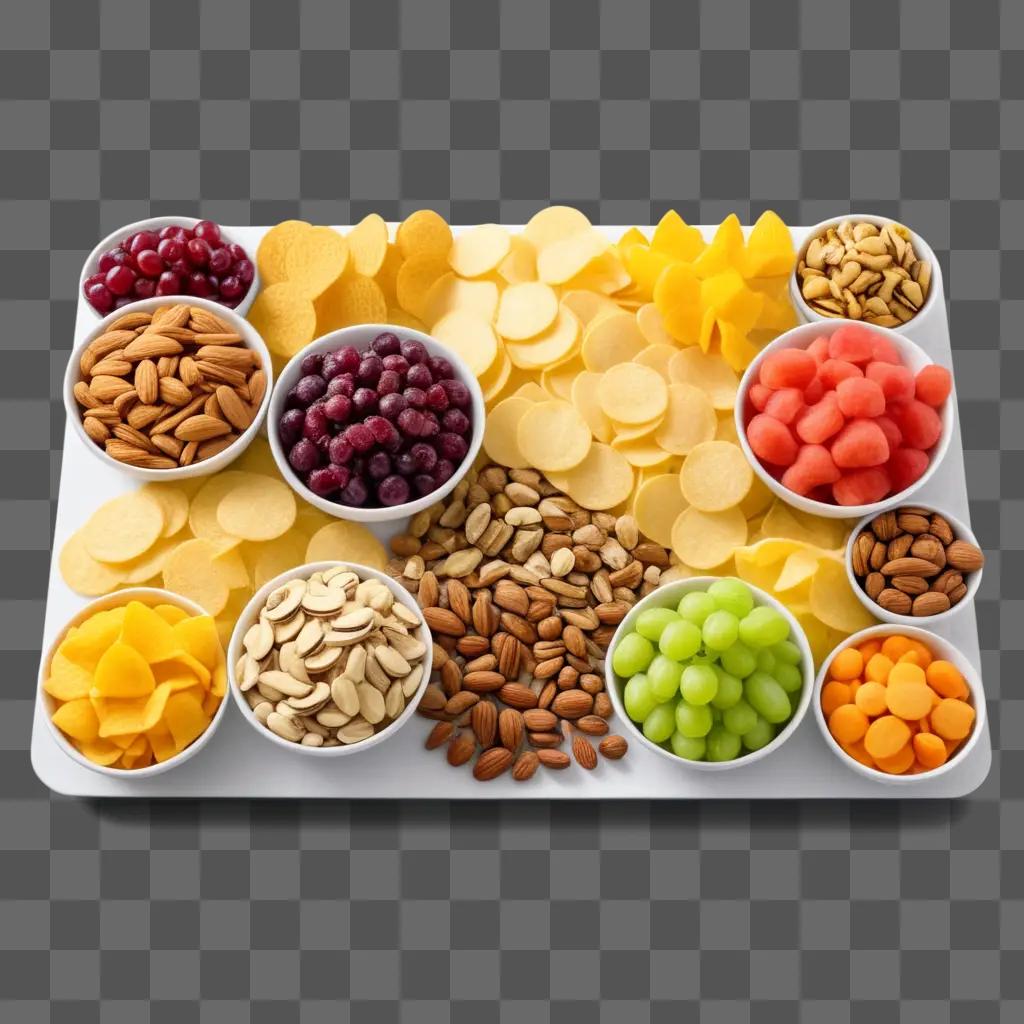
(185, 718)
(198, 636)
(674, 237)
(678, 298)
(170, 613)
(101, 752)
(149, 633)
(178, 676)
(210, 703)
(123, 672)
(77, 719)
(92, 638)
(219, 680)
(645, 266)
(737, 350)
(67, 681)
(725, 251)
(124, 740)
(162, 742)
(195, 666)
(731, 299)
(769, 251)
(135, 715)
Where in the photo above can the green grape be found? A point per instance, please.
(767, 698)
(679, 640)
(707, 658)
(740, 718)
(716, 714)
(660, 723)
(650, 623)
(632, 654)
(766, 661)
(722, 745)
(739, 660)
(760, 736)
(787, 653)
(690, 748)
(696, 606)
(638, 698)
(699, 684)
(664, 675)
(693, 721)
(730, 689)
(720, 630)
(789, 677)
(763, 627)
(732, 596)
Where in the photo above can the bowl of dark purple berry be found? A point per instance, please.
(375, 422)
(173, 256)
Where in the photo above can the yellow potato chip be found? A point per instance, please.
(584, 397)
(424, 233)
(415, 278)
(400, 318)
(257, 508)
(674, 237)
(553, 223)
(368, 245)
(553, 436)
(316, 259)
(174, 502)
(632, 393)
(726, 428)
(495, 379)
(185, 718)
(469, 336)
(83, 573)
(833, 600)
(601, 481)
(257, 458)
(715, 476)
(160, 740)
(558, 380)
(608, 275)
(66, 680)
(758, 497)
(642, 452)
(588, 306)
(657, 505)
(784, 521)
(610, 340)
(479, 250)
(123, 672)
(532, 392)
(202, 516)
(525, 310)
(690, 420)
(274, 247)
(191, 572)
(626, 432)
(652, 327)
(798, 568)
(520, 264)
(346, 542)
(232, 568)
(285, 317)
(148, 633)
(707, 371)
(352, 299)
(632, 236)
(501, 430)
(678, 299)
(387, 276)
(149, 564)
(450, 293)
(549, 348)
(124, 527)
(77, 719)
(704, 540)
(563, 259)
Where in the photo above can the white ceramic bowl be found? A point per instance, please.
(360, 336)
(973, 580)
(92, 261)
(940, 648)
(73, 375)
(669, 596)
(921, 247)
(250, 615)
(914, 358)
(149, 596)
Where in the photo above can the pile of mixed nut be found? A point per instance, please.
(522, 589)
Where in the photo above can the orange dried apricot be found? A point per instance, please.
(848, 723)
(952, 719)
(886, 736)
(929, 750)
(946, 680)
(847, 664)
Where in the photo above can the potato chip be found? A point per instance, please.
(553, 223)
(501, 430)
(626, 432)
(588, 306)
(715, 476)
(149, 564)
(657, 357)
(532, 392)
(833, 600)
(726, 428)
(83, 573)
(450, 293)
(274, 247)
(610, 340)
(632, 393)
(232, 568)
(549, 348)
(257, 458)
(343, 541)
(520, 265)
(689, 421)
(101, 752)
(562, 260)
(124, 527)
(736, 347)
(657, 505)
(285, 318)
(552, 435)
(400, 318)
(495, 379)
(130, 717)
(65, 680)
(257, 508)
(202, 516)
(584, 397)
(316, 260)
(278, 556)
(652, 327)
(758, 497)
(798, 569)
(174, 502)
(352, 299)
(387, 276)
(558, 380)
(368, 245)
(674, 237)
(601, 481)
(424, 233)
(709, 372)
(632, 236)
(731, 299)
(525, 310)
(784, 521)
(479, 250)
(642, 452)
(704, 540)
(191, 572)
(415, 278)
(469, 336)
(678, 299)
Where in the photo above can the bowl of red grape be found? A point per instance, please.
(172, 256)
(375, 422)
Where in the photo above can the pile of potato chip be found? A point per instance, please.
(137, 684)
(215, 540)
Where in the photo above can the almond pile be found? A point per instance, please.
(910, 562)
(522, 589)
(168, 388)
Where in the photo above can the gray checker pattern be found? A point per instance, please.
(111, 110)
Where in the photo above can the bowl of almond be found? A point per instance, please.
(164, 389)
(913, 563)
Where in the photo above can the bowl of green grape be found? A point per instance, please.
(711, 672)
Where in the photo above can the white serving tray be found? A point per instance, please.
(237, 763)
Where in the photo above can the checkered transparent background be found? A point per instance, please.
(111, 110)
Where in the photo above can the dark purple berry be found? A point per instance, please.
(416, 398)
(405, 463)
(451, 446)
(364, 401)
(419, 376)
(354, 492)
(431, 428)
(389, 382)
(424, 456)
(304, 456)
(315, 426)
(441, 368)
(413, 351)
(383, 430)
(424, 483)
(343, 384)
(359, 436)
(370, 369)
(443, 472)
(327, 480)
(386, 344)
(340, 451)
(378, 466)
(458, 393)
(338, 408)
(437, 398)
(393, 490)
(308, 390)
(397, 363)
(290, 426)
(411, 422)
(312, 363)
(456, 421)
(391, 405)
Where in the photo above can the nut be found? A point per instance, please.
(613, 747)
(931, 603)
(492, 763)
(964, 556)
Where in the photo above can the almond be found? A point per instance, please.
(603, 705)
(931, 603)
(257, 388)
(483, 682)
(508, 650)
(147, 382)
(151, 346)
(939, 527)
(439, 735)
(894, 601)
(461, 748)
(964, 556)
(442, 620)
(460, 702)
(238, 413)
(613, 747)
(586, 756)
(200, 428)
(492, 763)
(592, 725)
(572, 704)
(515, 695)
(539, 720)
(173, 392)
(511, 597)
(131, 455)
(111, 366)
(525, 766)
(909, 567)
(510, 729)
(451, 677)
(484, 722)
(106, 388)
(458, 600)
(428, 594)
(555, 759)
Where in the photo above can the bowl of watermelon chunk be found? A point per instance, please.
(842, 419)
